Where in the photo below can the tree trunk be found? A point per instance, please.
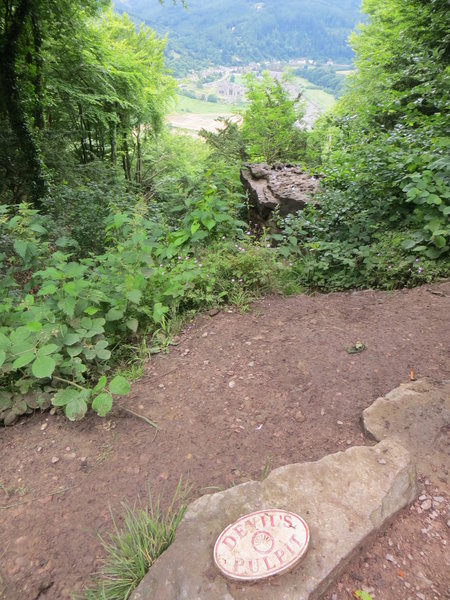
(112, 141)
(126, 157)
(37, 37)
(138, 156)
(82, 130)
(11, 102)
(126, 162)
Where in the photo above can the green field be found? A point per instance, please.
(191, 115)
(191, 105)
(322, 99)
(311, 92)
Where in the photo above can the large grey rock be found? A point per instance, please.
(417, 415)
(285, 187)
(344, 497)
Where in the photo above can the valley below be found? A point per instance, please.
(218, 92)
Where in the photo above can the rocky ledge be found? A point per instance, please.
(283, 187)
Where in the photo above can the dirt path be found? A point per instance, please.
(238, 389)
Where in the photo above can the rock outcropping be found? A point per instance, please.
(417, 416)
(285, 187)
(343, 497)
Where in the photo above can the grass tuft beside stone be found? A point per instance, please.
(133, 548)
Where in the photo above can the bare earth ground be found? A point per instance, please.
(277, 383)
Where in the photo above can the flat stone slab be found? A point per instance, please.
(344, 498)
(417, 415)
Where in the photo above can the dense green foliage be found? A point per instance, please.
(269, 122)
(74, 90)
(61, 316)
(67, 315)
(131, 230)
(384, 215)
(324, 77)
(25, 26)
(239, 31)
(270, 129)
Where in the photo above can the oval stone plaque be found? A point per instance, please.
(261, 544)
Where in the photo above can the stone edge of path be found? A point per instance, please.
(345, 498)
(416, 415)
(411, 390)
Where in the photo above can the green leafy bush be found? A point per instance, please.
(336, 247)
(62, 318)
(55, 324)
(227, 141)
(269, 122)
(81, 207)
(173, 168)
(384, 212)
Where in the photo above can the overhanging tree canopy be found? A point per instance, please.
(76, 78)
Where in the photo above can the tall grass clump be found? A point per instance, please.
(147, 531)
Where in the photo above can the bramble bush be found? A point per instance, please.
(62, 318)
(81, 207)
(339, 245)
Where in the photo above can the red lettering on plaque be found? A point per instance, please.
(278, 539)
(239, 562)
(229, 541)
(252, 565)
(241, 533)
(286, 545)
(266, 562)
(288, 521)
(252, 522)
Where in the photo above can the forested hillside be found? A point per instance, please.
(233, 31)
